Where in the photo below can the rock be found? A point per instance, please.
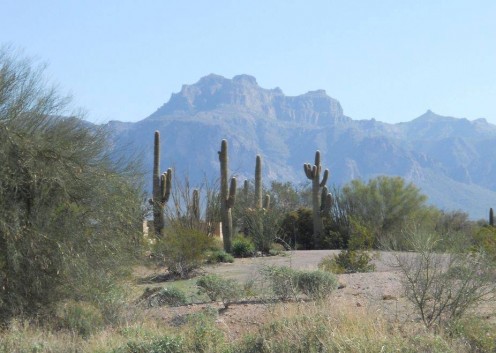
(388, 297)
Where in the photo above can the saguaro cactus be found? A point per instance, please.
(227, 197)
(161, 188)
(491, 217)
(195, 206)
(258, 183)
(266, 204)
(313, 173)
(325, 201)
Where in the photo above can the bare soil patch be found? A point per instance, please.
(379, 293)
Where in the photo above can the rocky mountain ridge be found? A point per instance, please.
(450, 159)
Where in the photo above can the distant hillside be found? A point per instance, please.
(452, 160)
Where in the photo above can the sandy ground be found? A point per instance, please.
(380, 291)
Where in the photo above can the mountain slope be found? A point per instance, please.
(451, 159)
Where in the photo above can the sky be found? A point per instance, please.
(388, 60)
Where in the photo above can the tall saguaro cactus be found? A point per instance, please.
(491, 217)
(258, 183)
(313, 173)
(227, 197)
(161, 188)
(195, 206)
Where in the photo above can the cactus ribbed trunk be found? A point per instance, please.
(258, 183)
(195, 206)
(491, 217)
(228, 196)
(161, 189)
(313, 173)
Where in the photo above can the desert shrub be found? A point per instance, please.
(216, 256)
(283, 281)
(263, 227)
(287, 283)
(316, 284)
(443, 286)
(243, 246)
(167, 344)
(182, 250)
(485, 240)
(66, 206)
(476, 334)
(347, 261)
(81, 318)
(203, 334)
(216, 287)
(171, 296)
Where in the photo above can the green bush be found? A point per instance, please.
(216, 287)
(316, 284)
(283, 281)
(216, 256)
(167, 344)
(476, 334)
(171, 296)
(347, 261)
(243, 247)
(203, 334)
(287, 283)
(70, 215)
(183, 250)
(81, 318)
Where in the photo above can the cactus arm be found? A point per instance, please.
(231, 199)
(324, 178)
(308, 170)
(266, 204)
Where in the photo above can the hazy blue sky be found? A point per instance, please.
(391, 60)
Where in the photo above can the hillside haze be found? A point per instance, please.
(452, 160)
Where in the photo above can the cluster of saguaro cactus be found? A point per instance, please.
(228, 197)
(491, 217)
(313, 173)
(162, 184)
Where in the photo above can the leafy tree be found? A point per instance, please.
(385, 204)
(297, 229)
(287, 197)
(69, 216)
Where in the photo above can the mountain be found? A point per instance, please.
(450, 159)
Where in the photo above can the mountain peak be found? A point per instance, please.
(242, 96)
(245, 79)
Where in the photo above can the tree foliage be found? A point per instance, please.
(67, 212)
(384, 204)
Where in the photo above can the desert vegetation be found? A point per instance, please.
(77, 273)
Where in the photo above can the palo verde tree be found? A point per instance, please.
(385, 205)
(69, 216)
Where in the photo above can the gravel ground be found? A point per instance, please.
(379, 292)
